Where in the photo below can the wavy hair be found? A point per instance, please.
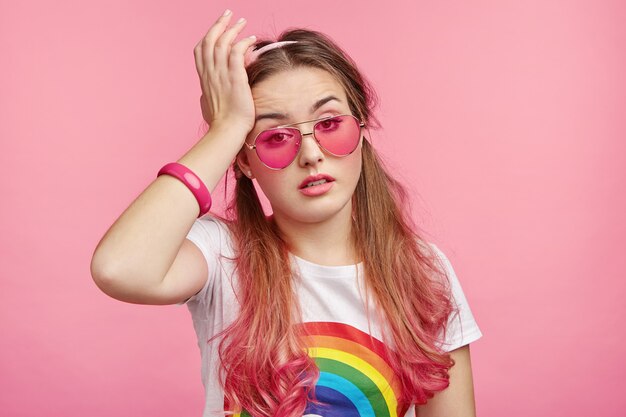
(265, 368)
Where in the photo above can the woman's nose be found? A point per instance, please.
(310, 151)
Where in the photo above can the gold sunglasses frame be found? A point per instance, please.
(302, 135)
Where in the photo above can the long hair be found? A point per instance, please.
(264, 366)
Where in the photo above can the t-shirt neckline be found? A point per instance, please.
(311, 268)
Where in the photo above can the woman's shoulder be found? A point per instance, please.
(212, 231)
(430, 250)
(437, 261)
(214, 221)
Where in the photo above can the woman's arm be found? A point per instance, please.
(144, 257)
(458, 399)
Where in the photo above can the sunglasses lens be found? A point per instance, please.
(277, 148)
(339, 135)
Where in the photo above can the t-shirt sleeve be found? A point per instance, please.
(206, 234)
(462, 328)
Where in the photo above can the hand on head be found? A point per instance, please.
(226, 96)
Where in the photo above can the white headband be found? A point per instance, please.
(251, 56)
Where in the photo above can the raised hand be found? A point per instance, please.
(226, 96)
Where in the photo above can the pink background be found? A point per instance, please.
(506, 119)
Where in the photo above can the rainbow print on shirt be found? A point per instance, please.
(355, 377)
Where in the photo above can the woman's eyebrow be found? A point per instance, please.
(281, 116)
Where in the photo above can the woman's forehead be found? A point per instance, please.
(298, 91)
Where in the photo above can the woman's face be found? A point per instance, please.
(293, 93)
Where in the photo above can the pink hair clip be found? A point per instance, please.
(251, 56)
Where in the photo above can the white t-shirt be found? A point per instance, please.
(354, 374)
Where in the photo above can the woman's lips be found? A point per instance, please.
(316, 190)
(314, 178)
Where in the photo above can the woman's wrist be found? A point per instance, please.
(192, 182)
(232, 128)
(213, 154)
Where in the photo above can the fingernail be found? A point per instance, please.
(227, 12)
(241, 19)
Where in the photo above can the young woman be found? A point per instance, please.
(333, 305)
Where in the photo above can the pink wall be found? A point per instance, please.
(507, 119)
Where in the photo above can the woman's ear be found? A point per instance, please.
(244, 164)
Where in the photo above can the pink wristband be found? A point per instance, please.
(192, 181)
